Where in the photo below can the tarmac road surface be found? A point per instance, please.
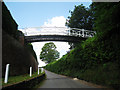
(58, 81)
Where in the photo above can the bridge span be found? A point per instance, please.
(59, 34)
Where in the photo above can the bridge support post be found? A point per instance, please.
(6, 73)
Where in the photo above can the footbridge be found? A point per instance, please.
(58, 34)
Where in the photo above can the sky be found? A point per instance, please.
(30, 16)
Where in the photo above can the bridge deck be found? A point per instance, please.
(63, 38)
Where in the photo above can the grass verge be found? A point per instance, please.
(17, 79)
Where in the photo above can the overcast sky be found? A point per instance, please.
(30, 15)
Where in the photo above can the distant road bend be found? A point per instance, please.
(58, 81)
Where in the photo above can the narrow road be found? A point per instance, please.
(58, 81)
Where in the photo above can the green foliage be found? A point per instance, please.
(97, 59)
(49, 53)
(81, 17)
(107, 17)
(95, 62)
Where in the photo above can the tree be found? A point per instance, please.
(82, 18)
(106, 17)
(49, 53)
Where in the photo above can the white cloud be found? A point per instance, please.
(30, 31)
(62, 47)
(58, 21)
(55, 25)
